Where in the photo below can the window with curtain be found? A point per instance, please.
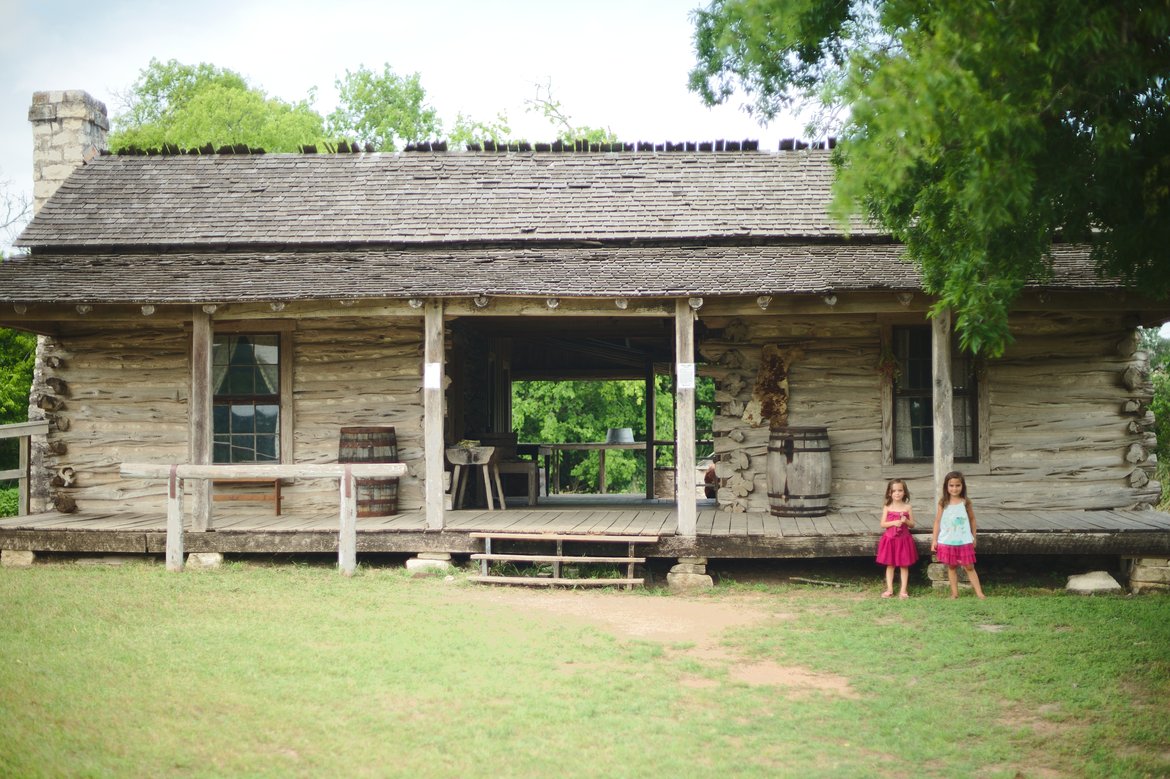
(246, 398)
(914, 403)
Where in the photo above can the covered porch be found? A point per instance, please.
(718, 534)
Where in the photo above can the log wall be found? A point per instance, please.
(357, 372)
(1069, 425)
(112, 393)
(117, 393)
(1069, 421)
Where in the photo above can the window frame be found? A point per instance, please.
(978, 396)
(283, 332)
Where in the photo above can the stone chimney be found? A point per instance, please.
(69, 129)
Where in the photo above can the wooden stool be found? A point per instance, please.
(466, 457)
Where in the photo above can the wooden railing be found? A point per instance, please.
(23, 431)
(176, 473)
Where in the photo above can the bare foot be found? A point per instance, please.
(904, 595)
(887, 593)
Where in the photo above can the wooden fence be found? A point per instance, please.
(23, 431)
(175, 473)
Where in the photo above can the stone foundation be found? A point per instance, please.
(937, 574)
(1149, 574)
(689, 574)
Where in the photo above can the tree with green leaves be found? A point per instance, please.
(190, 106)
(383, 109)
(977, 133)
(468, 130)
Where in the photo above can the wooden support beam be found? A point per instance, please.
(174, 521)
(347, 539)
(651, 433)
(433, 447)
(944, 410)
(684, 426)
(199, 420)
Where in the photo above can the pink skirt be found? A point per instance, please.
(897, 549)
(964, 554)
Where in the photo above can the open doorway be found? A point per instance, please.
(575, 393)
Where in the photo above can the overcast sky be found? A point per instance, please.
(616, 63)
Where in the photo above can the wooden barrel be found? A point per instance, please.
(375, 497)
(799, 475)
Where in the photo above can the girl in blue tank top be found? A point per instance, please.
(953, 539)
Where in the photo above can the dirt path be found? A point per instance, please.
(685, 626)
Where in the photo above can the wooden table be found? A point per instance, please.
(551, 451)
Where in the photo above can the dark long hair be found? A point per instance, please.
(946, 497)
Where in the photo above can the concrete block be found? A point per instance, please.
(12, 558)
(1092, 582)
(198, 560)
(1149, 573)
(420, 565)
(686, 582)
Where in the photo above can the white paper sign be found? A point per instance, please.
(686, 375)
(433, 375)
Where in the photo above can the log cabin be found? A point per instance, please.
(236, 306)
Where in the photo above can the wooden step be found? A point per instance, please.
(549, 581)
(567, 537)
(539, 558)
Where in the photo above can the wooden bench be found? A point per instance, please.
(262, 490)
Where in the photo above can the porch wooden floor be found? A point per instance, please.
(719, 533)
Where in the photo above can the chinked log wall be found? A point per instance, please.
(122, 395)
(1070, 426)
(1069, 418)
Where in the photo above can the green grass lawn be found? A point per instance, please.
(262, 670)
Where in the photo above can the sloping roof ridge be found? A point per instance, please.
(491, 146)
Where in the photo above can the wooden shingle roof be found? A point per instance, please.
(294, 199)
(222, 228)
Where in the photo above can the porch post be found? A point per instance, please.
(175, 521)
(347, 535)
(433, 411)
(684, 425)
(944, 410)
(651, 432)
(199, 426)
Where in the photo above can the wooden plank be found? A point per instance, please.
(433, 412)
(347, 538)
(684, 426)
(1146, 520)
(536, 558)
(943, 398)
(550, 581)
(200, 409)
(616, 539)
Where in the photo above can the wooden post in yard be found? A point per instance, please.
(944, 409)
(347, 540)
(200, 426)
(174, 521)
(684, 426)
(434, 449)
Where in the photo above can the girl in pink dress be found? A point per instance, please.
(896, 548)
